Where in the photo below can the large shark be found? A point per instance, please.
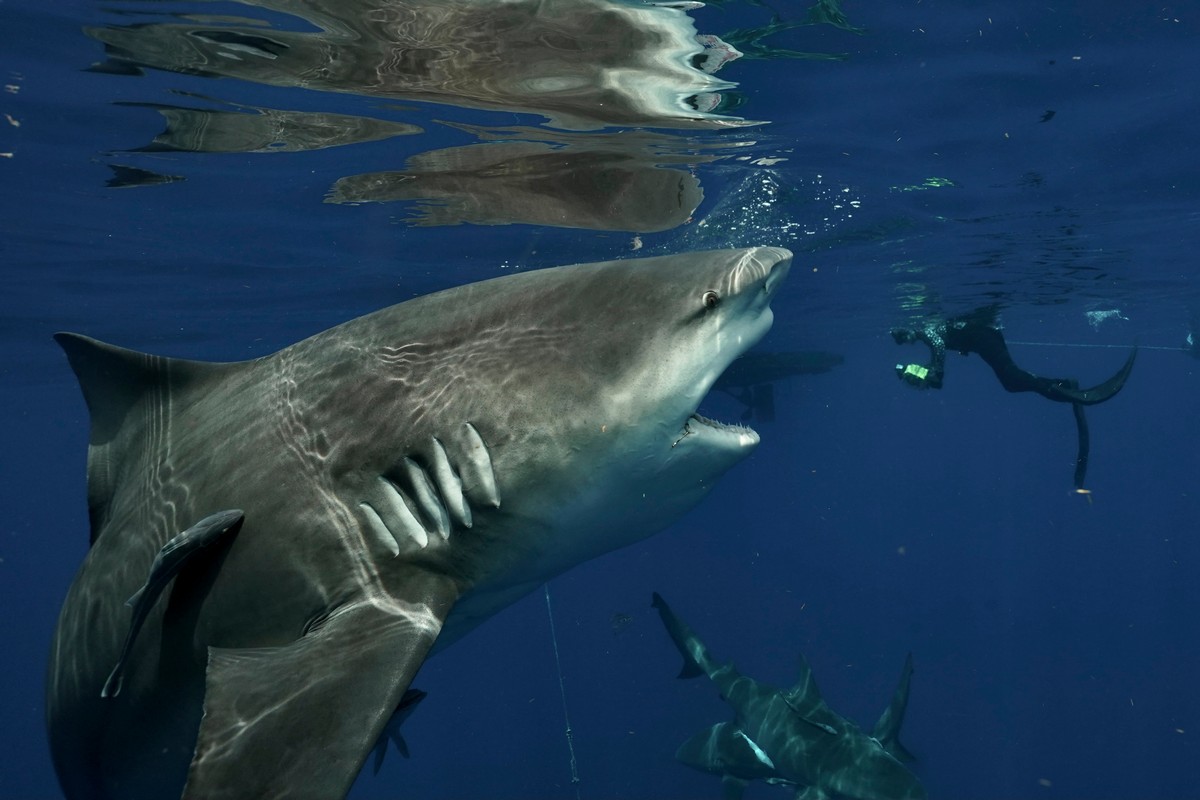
(792, 737)
(400, 476)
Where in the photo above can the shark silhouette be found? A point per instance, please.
(392, 481)
(792, 737)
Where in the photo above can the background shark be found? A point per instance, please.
(793, 737)
(751, 379)
(403, 475)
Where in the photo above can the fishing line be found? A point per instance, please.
(1113, 346)
(562, 689)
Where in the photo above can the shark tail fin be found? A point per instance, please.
(120, 386)
(887, 729)
(696, 661)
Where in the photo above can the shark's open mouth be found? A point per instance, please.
(697, 421)
(734, 427)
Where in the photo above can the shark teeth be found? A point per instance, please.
(733, 427)
(744, 434)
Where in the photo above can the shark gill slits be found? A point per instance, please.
(450, 486)
(432, 510)
(475, 467)
(394, 511)
(379, 530)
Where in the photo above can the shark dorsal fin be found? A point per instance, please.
(112, 378)
(804, 693)
(804, 698)
(887, 729)
(116, 381)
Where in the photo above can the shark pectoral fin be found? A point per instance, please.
(732, 788)
(178, 553)
(298, 721)
(811, 793)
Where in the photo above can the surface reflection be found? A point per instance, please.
(252, 129)
(636, 181)
(583, 64)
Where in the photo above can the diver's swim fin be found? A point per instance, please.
(1103, 391)
(1081, 459)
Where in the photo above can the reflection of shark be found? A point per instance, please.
(792, 737)
(403, 475)
(631, 180)
(251, 129)
(582, 63)
(534, 184)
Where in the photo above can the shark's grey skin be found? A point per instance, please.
(792, 736)
(170, 561)
(403, 475)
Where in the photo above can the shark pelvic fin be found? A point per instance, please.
(391, 730)
(811, 793)
(345, 677)
(732, 788)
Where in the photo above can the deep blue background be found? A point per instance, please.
(1055, 640)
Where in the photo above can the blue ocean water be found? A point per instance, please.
(936, 158)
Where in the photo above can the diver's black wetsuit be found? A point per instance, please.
(978, 332)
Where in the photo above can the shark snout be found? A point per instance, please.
(777, 262)
(762, 266)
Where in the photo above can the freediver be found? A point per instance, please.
(978, 332)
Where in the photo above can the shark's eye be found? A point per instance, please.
(710, 299)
